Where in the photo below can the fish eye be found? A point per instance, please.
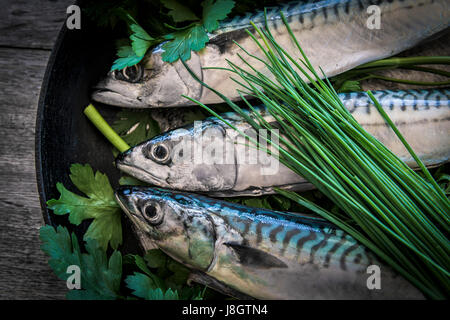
(131, 74)
(160, 153)
(152, 213)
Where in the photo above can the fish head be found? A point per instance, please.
(182, 159)
(174, 222)
(152, 83)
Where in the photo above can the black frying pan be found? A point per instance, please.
(63, 133)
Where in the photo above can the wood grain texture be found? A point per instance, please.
(24, 272)
(28, 29)
(31, 23)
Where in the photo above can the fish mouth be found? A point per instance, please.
(111, 97)
(139, 172)
(125, 209)
(121, 203)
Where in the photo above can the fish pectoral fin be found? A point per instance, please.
(255, 258)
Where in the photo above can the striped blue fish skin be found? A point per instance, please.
(422, 116)
(416, 99)
(262, 253)
(333, 34)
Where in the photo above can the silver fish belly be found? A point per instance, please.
(261, 253)
(219, 164)
(333, 34)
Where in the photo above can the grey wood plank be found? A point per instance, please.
(31, 24)
(24, 272)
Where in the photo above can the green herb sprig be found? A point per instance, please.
(351, 80)
(135, 126)
(399, 215)
(180, 41)
(100, 276)
(99, 205)
(161, 278)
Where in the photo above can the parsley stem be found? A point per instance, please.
(105, 129)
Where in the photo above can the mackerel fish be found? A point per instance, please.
(208, 156)
(334, 35)
(263, 254)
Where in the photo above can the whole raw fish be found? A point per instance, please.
(260, 253)
(336, 35)
(208, 157)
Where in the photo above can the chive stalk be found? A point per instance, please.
(366, 71)
(397, 61)
(400, 216)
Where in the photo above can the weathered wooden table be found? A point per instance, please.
(28, 29)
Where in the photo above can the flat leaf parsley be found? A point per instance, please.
(135, 126)
(100, 205)
(100, 276)
(181, 41)
(194, 37)
(140, 42)
(126, 58)
(166, 281)
(214, 11)
(178, 11)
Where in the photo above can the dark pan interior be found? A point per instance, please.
(63, 134)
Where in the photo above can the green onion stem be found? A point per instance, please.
(91, 112)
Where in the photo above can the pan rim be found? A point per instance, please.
(39, 125)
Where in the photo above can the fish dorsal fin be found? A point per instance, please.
(256, 258)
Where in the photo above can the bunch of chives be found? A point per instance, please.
(399, 215)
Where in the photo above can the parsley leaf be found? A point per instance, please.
(183, 41)
(143, 287)
(174, 273)
(155, 258)
(127, 58)
(349, 86)
(156, 281)
(135, 126)
(157, 294)
(195, 37)
(131, 181)
(99, 205)
(100, 276)
(162, 279)
(281, 202)
(257, 203)
(140, 39)
(214, 11)
(179, 12)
